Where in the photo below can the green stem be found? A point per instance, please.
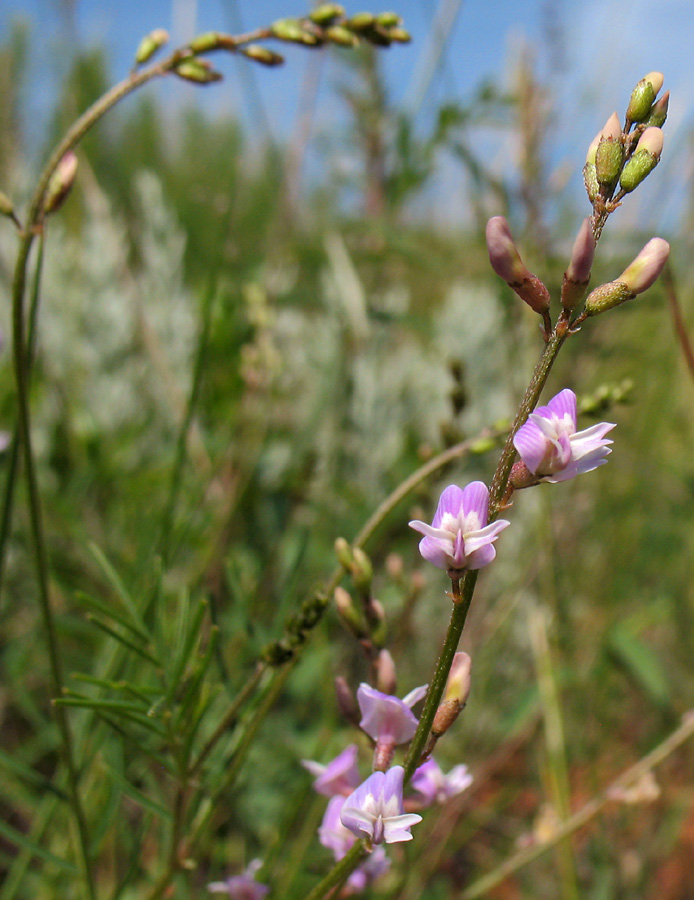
(482, 886)
(21, 370)
(340, 872)
(443, 667)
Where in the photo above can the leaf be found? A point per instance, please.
(21, 840)
(111, 612)
(118, 586)
(124, 641)
(640, 661)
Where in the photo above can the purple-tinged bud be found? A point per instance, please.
(149, 45)
(593, 147)
(198, 71)
(262, 55)
(644, 159)
(612, 128)
(590, 180)
(577, 275)
(326, 13)
(609, 158)
(346, 701)
(60, 183)
(658, 113)
(506, 262)
(643, 97)
(386, 676)
(643, 271)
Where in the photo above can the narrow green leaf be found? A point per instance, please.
(26, 773)
(112, 612)
(117, 585)
(641, 663)
(123, 640)
(191, 638)
(138, 796)
(21, 840)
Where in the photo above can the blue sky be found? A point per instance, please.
(591, 51)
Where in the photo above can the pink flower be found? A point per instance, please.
(552, 449)
(340, 776)
(459, 537)
(435, 787)
(375, 809)
(242, 887)
(385, 718)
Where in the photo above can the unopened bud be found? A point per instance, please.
(202, 43)
(506, 262)
(291, 30)
(644, 159)
(60, 183)
(262, 55)
(346, 701)
(6, 205)
(376, 618)
(361, 569)
(388, 19)
(399, 35)
(577, 275)
(343, 37)
(149, 45)
(350, 614)
(612, 129)
(458, 683)
(343, 551)
(606, 297)
(643, 96)
(386, 676)
(590, 180)
(658, 113)
(326, 12)
(362, 21)
(643, 271)
(199, 71)
(521, 476)
(394, 566)
(608, 160)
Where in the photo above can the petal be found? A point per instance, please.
(589, 439)
(563, 405)
(359, 823)
(385, 718)
(484, 536)
(415, 695)
(531, 444)
(482, 557)
(396, 828)
(439, 534)
(476, 500)
(451, 501)
(436, 552)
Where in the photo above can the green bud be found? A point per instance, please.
(350, 614)
(658, 113)
(638, 167)
(291, 30)
(60, 183)
(388, 20)
(6, 205)
(362, 570)
(590, 179)
(607, 296)
(608, 161)
(326, 13)
(343, 551)
(643, 96)
(199, 71)
(362, 21)
(149, 45)
(343, 37)
(262, 55)
(399, 35)
(204, 42)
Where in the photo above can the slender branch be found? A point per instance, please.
(482, 886)
(677, 318)
(340, 871)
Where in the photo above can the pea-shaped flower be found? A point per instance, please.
(375, 810)
(459, 537)
(551, 448)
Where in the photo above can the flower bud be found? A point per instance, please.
(326, 12)
(577, 275)
(350, 614)
(612, 129)
(388, 19)
(376, 619)
(506, 262)
(399, 35)
(198, 71)
(361, 569)
(291, 30)
(643, 271)
(643, 96)
(60, 183)
(6, 205)
(262, 55)
(458, 684)
(341, 36)
(603, 298)
(644, 159)
(202, 43)
(608, 160)
(386, 677)
(149, 45)
(658, 113)
(343, 551)
(346, 701)
(590, 180)
(362, 21)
